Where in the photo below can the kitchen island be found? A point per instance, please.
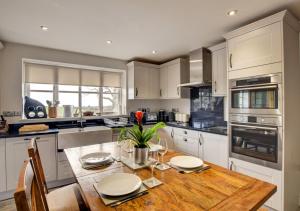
(214, 189)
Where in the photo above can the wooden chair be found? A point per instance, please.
(65, 198)
(28, 195)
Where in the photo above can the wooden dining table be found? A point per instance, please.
(216, 188)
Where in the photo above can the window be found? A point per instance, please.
(85, 90)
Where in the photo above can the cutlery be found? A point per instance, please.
(128, 199)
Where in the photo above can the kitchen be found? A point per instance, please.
(231, 104)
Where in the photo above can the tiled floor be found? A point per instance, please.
(8, 205)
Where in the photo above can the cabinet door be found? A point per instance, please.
(215, 149)
(167, 133)
(219, 70)
(154, 83)
(258, 47)
(262, 173)
(164, 82)
(173, 81)
(186, 145)
(3, 166)
(141, 82)
(16, 153)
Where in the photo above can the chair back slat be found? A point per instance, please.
(34, 154)
(28, 196)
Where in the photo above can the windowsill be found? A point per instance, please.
(61, 119)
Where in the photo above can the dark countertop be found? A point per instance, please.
(17, 134)
(220, 130)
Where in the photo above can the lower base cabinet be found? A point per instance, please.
(262, 173)
(2, 166)
(16, 153)
(187, 145)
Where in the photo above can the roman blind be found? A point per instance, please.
(35, 73)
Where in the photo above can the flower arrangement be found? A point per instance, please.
(137, 134)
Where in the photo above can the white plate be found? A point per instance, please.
(187, 162)
(96, 158)
(118, 184)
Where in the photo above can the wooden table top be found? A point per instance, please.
(214, 189)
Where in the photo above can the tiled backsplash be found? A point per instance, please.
(206, 107)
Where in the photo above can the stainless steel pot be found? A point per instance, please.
(141, 155)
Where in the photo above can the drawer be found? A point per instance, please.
(187, 145)
(64, 170)
(185, 132)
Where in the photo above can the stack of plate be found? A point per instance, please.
(188, 163)
(117, 188)
(96, 159)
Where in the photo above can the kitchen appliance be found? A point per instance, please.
(256, 95)
(34, 109)
(256, 139)
(200, 68)
(162, 116)
(151, 116)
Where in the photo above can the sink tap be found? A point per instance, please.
(81, 121)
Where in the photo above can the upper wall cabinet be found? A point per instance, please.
(258, 47)
(172, 74)
(219, 70)
(143, 81)
(149, 81)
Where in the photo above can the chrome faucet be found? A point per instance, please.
(81, 121)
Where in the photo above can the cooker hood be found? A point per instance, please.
(200, 63)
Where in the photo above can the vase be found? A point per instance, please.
(141, 155)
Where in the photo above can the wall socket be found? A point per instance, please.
(11, 113)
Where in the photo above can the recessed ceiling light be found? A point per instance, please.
(44, 28)
(153, 52)
(108, 41)
(232, 12)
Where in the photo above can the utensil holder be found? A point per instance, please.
(52, 112)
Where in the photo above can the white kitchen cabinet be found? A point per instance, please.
(2, 166)
(167, 133)
(187, 145)
(219, 70)
(257, 47)
(143, 81)
(215, 148)
(172, 74)
(262, 173)
(17, 152)
(164, 82)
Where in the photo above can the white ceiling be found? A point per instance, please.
(136, 27)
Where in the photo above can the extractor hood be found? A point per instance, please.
(200, 68)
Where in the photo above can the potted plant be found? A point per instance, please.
(140, 137)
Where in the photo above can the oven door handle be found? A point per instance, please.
(254, 88)
(255, 127)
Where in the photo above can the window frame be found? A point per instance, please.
(26, 90)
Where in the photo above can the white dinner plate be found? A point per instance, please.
(188, 162)
(118, 184)
(96, 158)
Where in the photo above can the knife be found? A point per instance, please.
(128, 199)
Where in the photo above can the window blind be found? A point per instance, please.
(45, 74)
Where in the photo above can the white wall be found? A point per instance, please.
(11, 68)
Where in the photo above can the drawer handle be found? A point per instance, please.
(136, 92)
(231, 165)
(230, 60)
(185, 139)
(185, 132)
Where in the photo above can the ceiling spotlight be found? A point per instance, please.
(108, 41)
(232, 12)
(44, 28)
(153, 52)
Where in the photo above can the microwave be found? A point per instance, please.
(256, 95)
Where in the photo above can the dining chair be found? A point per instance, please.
(28, 195)
(65, 198)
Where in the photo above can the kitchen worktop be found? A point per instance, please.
(220, 130)
(17, 134)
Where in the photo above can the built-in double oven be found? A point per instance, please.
(255, 120)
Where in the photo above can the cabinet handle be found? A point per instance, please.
(215, 86)
(172, 133)
(231, 165)
(200, 139)
(160, 92)
(185, 132)
(185, 139)
(136, 92)
(28, 139)
(178, 91)
(230, 60)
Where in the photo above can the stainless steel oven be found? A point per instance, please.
(256, 95)
(256, 139)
